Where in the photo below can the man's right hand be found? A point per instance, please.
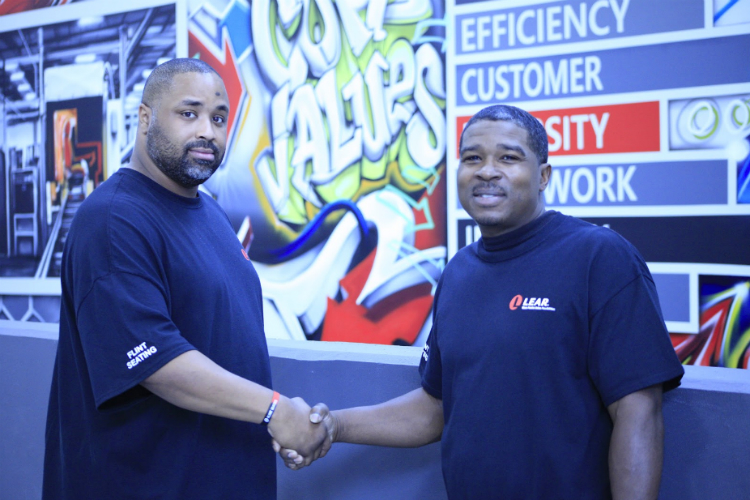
(291, 427)
(410, 420)
(318, 415)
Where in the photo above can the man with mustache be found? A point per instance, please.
(161, 386)
(544, 370)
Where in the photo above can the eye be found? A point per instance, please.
(220, 119)
(470, 158)
(188, 114)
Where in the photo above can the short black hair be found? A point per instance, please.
(160, 79)
(500, 112)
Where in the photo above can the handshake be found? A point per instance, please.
(301, 434)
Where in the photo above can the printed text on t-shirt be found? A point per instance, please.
(530, 304)
(139, 353)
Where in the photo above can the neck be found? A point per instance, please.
(141, 162)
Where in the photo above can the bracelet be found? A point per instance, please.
(271, 408)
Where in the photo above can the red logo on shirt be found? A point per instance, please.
(245, 254)
(515, 302)
(530, 303)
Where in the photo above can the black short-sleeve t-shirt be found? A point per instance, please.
(148, 275)
(534, 334)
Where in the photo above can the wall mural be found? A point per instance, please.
(335, 176)
(70, 91)
(15, 6)
(724, 336)
(335, 172)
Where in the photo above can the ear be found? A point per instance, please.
(546, 171)
(145, 115)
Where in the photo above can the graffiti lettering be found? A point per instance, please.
(357, 32)
(340, 100)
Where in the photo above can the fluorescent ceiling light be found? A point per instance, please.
(138, 87)
(11, 66)
(85, 58)
(85, 22)
(24, 87)
(17, 76)
(30, 96)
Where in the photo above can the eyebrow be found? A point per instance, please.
(189, 102)
(199, 104)
(517, 149)
(467, 148)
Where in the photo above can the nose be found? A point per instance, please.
(205, 129)
(488, 171)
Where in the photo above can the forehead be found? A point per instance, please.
(207, 88)
(492, 133)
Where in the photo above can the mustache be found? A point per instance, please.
(492, 188)
(202, 145)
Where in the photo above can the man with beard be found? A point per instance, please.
(544, 370)
(161, 386)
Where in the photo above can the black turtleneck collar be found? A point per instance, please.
(519, 241)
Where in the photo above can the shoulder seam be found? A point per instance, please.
(109, 229)
(104, 276)
(615, 294)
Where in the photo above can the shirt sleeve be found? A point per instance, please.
(430, 365)
(629, 347)
(126, 334)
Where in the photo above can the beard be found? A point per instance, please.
(175, 162)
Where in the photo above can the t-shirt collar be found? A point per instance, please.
(517, 242)
(160, 190)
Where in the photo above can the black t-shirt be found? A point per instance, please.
(535, 333)
(148, 275)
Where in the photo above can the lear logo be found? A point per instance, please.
(245, 254)
(426, 352)
(530, 304)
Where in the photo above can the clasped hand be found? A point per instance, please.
(297, 434)
(319, 421)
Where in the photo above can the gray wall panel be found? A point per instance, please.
(352, 472)
(706, 422)
(25, 375)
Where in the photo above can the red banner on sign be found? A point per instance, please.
(616, 128)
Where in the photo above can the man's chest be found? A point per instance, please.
(495, 312)
(205, 266)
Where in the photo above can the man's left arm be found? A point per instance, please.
(636, 447)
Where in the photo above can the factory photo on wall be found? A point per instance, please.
(70, 95)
